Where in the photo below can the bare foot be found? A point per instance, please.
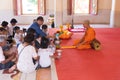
(16, 72)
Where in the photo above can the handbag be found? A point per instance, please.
(95, 44)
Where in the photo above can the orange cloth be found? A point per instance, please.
(64, 47)
(65, 35)
(87, 38)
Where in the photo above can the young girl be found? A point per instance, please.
(45, 53)
(13, 22)
(18, 36)
(26, 54)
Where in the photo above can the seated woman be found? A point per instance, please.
(89, 35)
(27, 54)
(5, 60)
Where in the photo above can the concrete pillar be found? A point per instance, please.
(115, 14)
(58, 13)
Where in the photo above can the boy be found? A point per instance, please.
(12, 25)
(18, 36)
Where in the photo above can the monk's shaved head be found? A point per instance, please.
(87, 22)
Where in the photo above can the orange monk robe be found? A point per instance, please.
(87, 38)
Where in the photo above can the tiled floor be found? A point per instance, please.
(41, 74)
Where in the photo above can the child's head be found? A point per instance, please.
(29, 38)
(44, 27)
(13, 21)
(24, 30)
(44, 42)
(4, 24)
(34, 20)
(17, 29)
(31, 31)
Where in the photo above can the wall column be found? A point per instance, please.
(115, 14)
(58, 13)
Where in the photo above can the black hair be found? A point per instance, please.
(16, 28)
(40, 18)
(44, 26)
(29, 38)
(4, 23)
(44, 42)
(34, 20)
(24, 29)
(13, 20)
(31, 31)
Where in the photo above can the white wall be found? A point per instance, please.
(6, 12)
(104, 8)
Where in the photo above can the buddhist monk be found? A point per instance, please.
(84, 42)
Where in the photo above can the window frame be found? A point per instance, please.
(71, 3)
(17, 8)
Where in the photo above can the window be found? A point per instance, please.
(82, 6)
(29, 7)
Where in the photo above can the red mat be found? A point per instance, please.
(90, 64)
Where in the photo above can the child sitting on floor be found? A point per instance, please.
(12, 25)
(45, 29)
(18, 35)
(45, 54)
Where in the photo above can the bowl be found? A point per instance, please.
(59, 52)
(57, 42)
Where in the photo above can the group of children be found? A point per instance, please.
(20, 50)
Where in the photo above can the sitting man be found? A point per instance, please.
(88, 37)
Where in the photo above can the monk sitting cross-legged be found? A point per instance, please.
(89, 35)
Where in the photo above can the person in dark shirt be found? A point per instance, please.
(36, 26)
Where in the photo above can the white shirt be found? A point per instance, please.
(11, 29)
(2, 57)
(17, 38)
(25, 60)
(45, 59)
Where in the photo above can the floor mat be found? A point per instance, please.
(90, 64)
